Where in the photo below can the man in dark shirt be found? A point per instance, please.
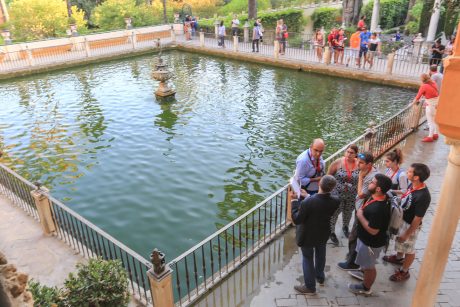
(373, 219)
(312, 217)
(437, 51)
(414, 202)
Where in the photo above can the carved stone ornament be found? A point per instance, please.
(158, 260)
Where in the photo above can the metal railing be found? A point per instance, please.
(299, 48)
(25, 57)
(80, 234)
(207, 263)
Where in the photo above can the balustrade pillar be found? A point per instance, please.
(327, 56)
(173, 35)
(43, 205)
(390, 63)
(160, 277)
(201, 39)
(276, 49)
(246, 32)
(235, 43)
(30, 58)
(87, 48)
(133, 39)
(289, 207)
(369, 137)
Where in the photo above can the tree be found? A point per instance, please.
(252, 9)
(426, 16)
(165, 17)
(351, 9)
(409, 7)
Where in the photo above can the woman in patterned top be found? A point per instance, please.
(346, 172)
(393, 161)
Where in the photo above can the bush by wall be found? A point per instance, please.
(293, 18)
(392, 12)
(38, 19)
(415, 14)
(326, 17)
(101, 283)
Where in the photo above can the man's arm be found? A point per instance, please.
(299, 211)
(365, 223)
(301, 170)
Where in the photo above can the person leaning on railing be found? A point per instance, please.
(429, 90)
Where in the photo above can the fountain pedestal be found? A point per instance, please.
(162, 74)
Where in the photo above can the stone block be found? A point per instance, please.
(347, 301)
(285, 302)
(321, 301)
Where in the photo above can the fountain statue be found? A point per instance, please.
(162, 74)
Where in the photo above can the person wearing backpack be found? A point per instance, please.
(414, 202)
(393, 161)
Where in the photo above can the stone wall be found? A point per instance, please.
(13, 286)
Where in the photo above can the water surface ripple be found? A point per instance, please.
(168, 175)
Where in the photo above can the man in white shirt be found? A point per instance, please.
(436, 77)
(235, 25)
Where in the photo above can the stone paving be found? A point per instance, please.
(268, 279)
(43, 258)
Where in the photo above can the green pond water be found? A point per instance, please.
(169, 175)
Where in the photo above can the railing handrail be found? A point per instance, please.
(13, 173)
(99, 230)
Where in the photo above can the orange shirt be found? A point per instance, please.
(355, 40)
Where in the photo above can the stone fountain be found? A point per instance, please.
(162, 74)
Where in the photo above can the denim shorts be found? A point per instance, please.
(367, 256)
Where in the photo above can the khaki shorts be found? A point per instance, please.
(408, 247)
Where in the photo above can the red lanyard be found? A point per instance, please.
(409, 191)
(317, 166)
(371, 201)
(348, 170)
(394, 173)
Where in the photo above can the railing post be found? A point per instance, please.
(327, 55)
(368, 138)
(289, 207)
(173, 35)
(30, 58)
(160, 277)
(235, 43)
(216, 28)
(133, 39)
(276, 49)
(202, 39)
(390, 62)
(416, 115)
(246, 32)
(43, 205)
(87, 48)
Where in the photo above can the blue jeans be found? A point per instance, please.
(313, 268)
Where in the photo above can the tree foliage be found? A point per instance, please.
(238, 6)
(326, 17)
(415, 13)
(201, 8)
(40, 19)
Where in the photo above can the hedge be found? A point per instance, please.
(326, 17)
(292, 17)
(392, 12)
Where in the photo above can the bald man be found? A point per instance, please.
(310, 166)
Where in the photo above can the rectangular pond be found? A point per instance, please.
(167, 175)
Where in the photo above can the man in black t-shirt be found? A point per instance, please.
(373, 219)
(414, 202)
(437, 51)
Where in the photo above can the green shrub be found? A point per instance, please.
(238, 6)
(44, 296)
(293, 18)
(98, 283)
(415, 15)
(392, 12)
(326, 17)
(42, 19)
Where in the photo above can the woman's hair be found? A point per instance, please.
(221, 23)
(255, 24)
(354, 148)
(425, 78)
(395, 155)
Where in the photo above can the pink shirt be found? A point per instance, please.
(428, 90)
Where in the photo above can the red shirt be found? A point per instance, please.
(361, 24)
(428, 90)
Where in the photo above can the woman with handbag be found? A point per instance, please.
(429, 90)
(221, 34)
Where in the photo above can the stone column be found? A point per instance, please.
(201, 39)
(30, 58)
(447, 214)
(43, 205)
(289, 207)
(368, 138)
(173, 34)
(434, 21)
(216, 28)
(246, 32)
(418, 43)
(375, 15)
(390, 62)
(160, 277)
(327, 56)
(276, 49)
(133, 39)
(235, 43)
